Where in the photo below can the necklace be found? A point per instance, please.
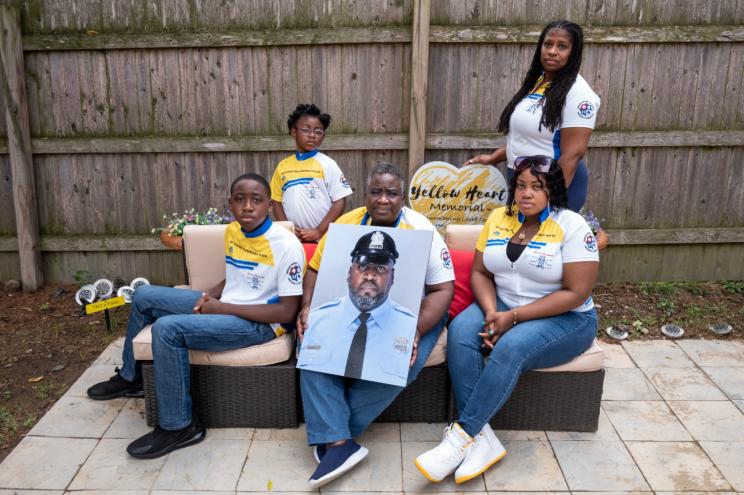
(521, 236)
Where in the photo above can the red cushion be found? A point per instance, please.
(462, 261)
(309, 248)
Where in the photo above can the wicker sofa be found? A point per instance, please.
(259, 386)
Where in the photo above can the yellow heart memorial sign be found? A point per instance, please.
(446, 194)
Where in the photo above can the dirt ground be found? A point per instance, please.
(45, 345)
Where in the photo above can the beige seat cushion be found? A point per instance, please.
(591, 360)
(439, 353)
(272, 352)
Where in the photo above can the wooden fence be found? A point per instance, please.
(139, 109)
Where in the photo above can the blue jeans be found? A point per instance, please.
(339, 408)
(578, 189)
(175, 330)
(481, 390)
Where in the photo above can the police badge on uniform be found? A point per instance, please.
(401, 344)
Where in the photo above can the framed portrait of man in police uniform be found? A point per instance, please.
(364, 310)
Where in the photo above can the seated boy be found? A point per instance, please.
(261, 290)
(308, 188)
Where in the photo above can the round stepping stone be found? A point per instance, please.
(672, 331)
(617, 332)
(720, 328)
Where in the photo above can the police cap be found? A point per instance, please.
(375, 247)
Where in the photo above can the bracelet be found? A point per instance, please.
(514, 322)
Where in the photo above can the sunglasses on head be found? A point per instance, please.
(541, 163)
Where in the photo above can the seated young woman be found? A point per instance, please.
(533, 271)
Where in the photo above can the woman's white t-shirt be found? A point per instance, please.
(526, 138)
(563, 237)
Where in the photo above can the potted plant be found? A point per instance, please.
(172, 234)
(594, 224)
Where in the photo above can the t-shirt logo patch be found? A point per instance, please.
(590, 243)
(255, 281)
(344, 182)
(401, 344)
(586, 110)
(446, 258)
(312, 191)
(294, 273)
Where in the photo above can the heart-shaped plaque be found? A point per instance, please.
(446, 194)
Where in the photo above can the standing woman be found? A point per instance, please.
(554, 111)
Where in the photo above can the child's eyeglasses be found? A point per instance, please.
(541, 163)
(309, 132)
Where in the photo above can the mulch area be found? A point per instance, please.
(45, 344)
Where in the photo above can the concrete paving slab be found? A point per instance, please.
(381, 432)
(657, 354)
(616, 357)
(683, 384)
(112, 355)
(627, 384)
(677, 466)
(131, 422)
(281, 434)
(710, 420)
(281, 466)
(605, 431)
(730, 379)
(645, 420)
(598, 465)
(714, 353)
(44, 463)
(210, 465)
(528, 466)
(78, 417)
(422, 432)
(109, 467)
(729, 459)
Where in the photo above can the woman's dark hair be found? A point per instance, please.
(555, 94)
(553, 180)
(252, 176)
(308, 109)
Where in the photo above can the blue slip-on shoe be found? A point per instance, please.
(336, 461)
(319, 451)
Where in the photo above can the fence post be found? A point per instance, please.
(419, 74)
(19, 146)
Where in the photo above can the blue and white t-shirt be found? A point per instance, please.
(526, 138)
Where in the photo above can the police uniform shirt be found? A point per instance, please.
(262, 265)
(439, 267)
(563, 237)
(332, 326)
(306, 184)
(527, 138)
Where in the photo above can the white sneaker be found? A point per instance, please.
(439, 462)
(484, 453)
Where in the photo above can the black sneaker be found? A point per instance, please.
(160, 442)
(116, 387)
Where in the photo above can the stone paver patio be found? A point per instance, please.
(672, 420)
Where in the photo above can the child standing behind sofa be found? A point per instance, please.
(308, 188)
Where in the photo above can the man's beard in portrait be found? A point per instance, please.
(366, 302)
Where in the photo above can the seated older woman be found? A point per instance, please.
(533, 271)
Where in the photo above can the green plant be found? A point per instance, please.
(29, 421)
(694, 288)
(694, 311)
(659, 288)
(7, 421)
(82, 277)
(175, 223)
(734, 286)
(44, 307)
(44, 390)
(667, 306)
